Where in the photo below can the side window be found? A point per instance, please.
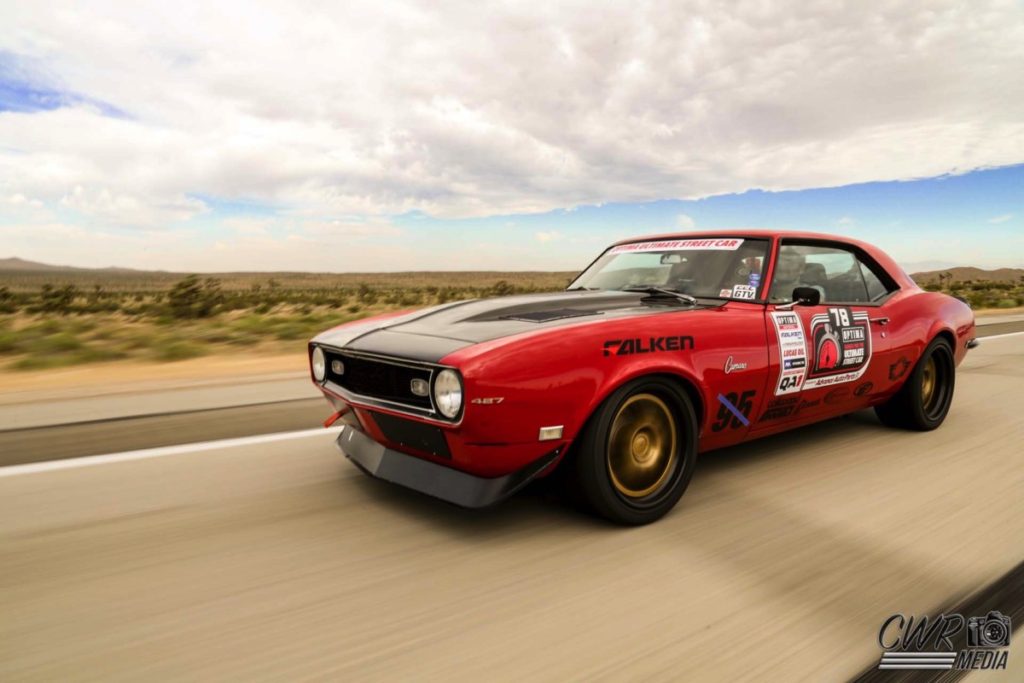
(876, 288)
(835, 272)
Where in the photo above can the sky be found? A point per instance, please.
(370, 136)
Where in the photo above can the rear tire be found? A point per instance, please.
(923, 401)
(638, 452)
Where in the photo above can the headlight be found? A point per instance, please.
(319, 364)
(448, 393)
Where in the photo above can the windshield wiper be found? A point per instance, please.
(661, 291)
(582, 289)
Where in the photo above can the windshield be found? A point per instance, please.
(718, 268)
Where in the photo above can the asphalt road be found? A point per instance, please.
(280, 561)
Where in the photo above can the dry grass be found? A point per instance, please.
(50, 320)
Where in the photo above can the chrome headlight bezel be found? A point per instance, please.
(318, 364)
(448, 393)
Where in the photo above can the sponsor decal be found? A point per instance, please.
(841, 344)
(726, 244)
(934, 644)
(734, 410)
(863, 389)
(625, 347)
(836, 396)
(787, 407)
(725, 292)
(732, 366)
(792, 350)
(899, 368)
(744, 292)
(490, 401)
(808, 404)
(779, 408)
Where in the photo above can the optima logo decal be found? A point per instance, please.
(625, 347)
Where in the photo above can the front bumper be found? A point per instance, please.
(451, 485)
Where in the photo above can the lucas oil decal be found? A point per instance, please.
(792, 352)
(837, 349)
(727, 244)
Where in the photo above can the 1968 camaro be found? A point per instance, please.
(663, 348)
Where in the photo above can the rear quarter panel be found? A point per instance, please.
(916, 318)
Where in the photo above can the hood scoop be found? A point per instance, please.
(544, 316)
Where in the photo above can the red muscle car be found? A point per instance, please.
(663, 348)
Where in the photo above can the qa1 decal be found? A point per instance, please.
(792, 352)
(734, 410)
(841, 344)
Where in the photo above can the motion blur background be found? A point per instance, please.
(189, 191)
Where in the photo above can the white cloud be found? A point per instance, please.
(373, 108)
(685, 222)
(548, 236)
(1000, 219)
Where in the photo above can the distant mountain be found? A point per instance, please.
(15, 264)
(963, 273)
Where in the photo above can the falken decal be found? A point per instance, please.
(625, 347)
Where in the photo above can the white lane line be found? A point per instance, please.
(1000, 336)
(90, 460)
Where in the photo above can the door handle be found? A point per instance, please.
(880, 321)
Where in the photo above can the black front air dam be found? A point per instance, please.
(453, 486)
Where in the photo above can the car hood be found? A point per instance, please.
(433, 333)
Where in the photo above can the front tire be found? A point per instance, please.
(923, 401)
(638, 452)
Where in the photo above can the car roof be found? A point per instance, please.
(883, 259)
(752, 233)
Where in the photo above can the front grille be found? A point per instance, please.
(379, 379)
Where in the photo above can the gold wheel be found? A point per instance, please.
(642, 447)
(928, 381)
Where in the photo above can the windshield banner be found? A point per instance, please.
(722, 243)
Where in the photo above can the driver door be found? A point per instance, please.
(830, 358)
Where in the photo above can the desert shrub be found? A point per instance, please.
(8, 303)
(194, 298)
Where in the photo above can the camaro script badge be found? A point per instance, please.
(731, 365)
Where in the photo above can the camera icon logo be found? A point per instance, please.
(992, 630)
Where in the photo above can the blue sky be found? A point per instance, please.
(392, 136)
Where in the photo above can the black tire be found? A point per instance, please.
(916, 406)
(646, 487)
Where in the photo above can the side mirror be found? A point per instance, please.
(806, 296)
